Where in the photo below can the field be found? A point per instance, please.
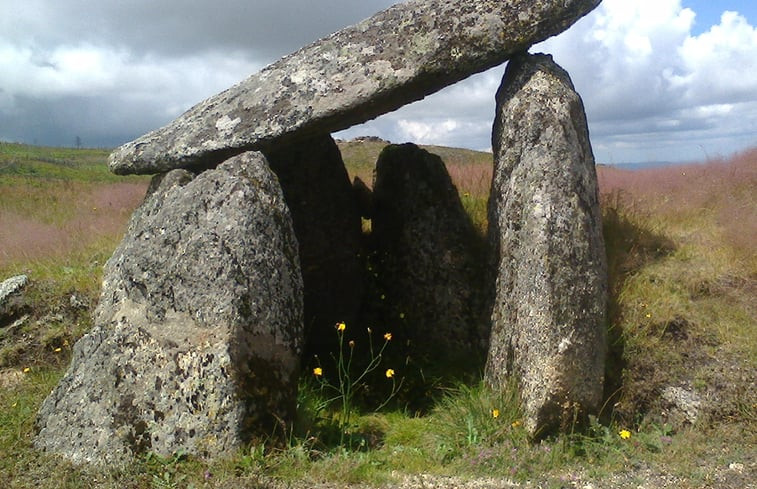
(680, 405)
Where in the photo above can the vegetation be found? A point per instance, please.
(683, 266)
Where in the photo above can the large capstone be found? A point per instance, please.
(548, 318)
(396, 57)
(427, 257)
(198, 330)
(327, 224)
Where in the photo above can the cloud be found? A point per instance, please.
(111, 71)
(652, 89)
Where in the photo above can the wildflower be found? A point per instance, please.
(388, 336)
(57, 350)
(648, 315)
(369, 330)
(515, 423)
(317, 371)
(341, 326)
(624, 434)
(495, 413)
(27, 370)
(402, 315)
(389, 373)
(352, 343)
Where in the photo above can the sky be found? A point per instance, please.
(661, 80)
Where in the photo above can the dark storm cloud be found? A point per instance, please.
(266, 28)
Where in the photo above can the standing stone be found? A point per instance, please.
(427, 258)
(198, 330)
(327, 225)
(396, 57)
(548, 318)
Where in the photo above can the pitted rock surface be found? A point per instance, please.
(327, 225)
(427, 257)
(396, 57)
(548, 318)
(199, 326)
(10, 295)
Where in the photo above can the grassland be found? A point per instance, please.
(681, 247)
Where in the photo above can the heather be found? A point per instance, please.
(681, 249)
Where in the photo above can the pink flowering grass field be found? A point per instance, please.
(682, 256)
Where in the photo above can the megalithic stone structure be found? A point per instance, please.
(396, 57)
(548, 318)
(198, 330)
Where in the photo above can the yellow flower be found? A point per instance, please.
(317, 371)
(624, 434)
(388, 336)
(389, 373)
(648, 315)
(27, 370)
(341, 326)
(495, 413)
(515, 424)
(57, 350)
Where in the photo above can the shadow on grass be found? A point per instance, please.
(630, 247)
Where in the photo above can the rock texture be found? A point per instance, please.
(395, 57)
(548, 318)
(199, 326)
(327, 224)
(10, 296)
(426, 253)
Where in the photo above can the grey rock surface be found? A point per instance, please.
(428, 256)
(10, 295)
(396, 57)
(327, 224)
(548, 316)
(198, 329)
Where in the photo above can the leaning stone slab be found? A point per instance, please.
(396, 57)
(548, 319)
(199, 326)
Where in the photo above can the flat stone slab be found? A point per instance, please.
(398, 56)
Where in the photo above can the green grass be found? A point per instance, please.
(683, 274)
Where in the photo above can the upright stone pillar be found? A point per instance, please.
(327, 224)
(428, 257)
(548, 317)
(198, 330)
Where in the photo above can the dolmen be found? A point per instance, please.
(225, 276)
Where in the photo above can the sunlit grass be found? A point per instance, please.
(681, 252)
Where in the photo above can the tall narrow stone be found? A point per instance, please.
(427, 259)
(198, 330)
(548, 316)
(327, 224)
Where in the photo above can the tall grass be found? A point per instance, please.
(681, 247)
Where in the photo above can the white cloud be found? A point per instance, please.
(653, 90)
(115, 70)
